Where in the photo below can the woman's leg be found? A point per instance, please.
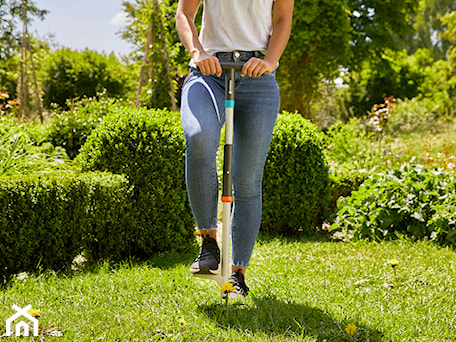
(202, 116)
(256, 109)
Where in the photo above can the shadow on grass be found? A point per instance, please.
(275, 318)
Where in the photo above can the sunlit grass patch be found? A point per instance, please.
(300, 291)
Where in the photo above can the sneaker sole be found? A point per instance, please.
(205, 270)
(234, 295)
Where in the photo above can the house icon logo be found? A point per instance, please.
(21, 325)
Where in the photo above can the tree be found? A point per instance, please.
(428, 28)
(11, 12)
(330, 35)
(164, 51)
(394, 74)
(318, 46)
(449, 21)
(420, 70)
(327, 35)
(10, 16)
(378, 25)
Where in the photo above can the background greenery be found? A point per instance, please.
(398, 79)
(403, 49)
(360, 171)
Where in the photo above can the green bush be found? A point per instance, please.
(347, 142)
(409, 201)
(148, 147)
(394, 74)
(47, 219)
(109, 234)
(417, 114)
(351, 157)
(69, 74)
(70, 129)
(296, 181)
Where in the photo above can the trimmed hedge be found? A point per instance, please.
(296, 182)
(147, 146)
(48, 219)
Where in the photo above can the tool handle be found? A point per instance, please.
(231, 65)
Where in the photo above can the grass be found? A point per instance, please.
(301, 290)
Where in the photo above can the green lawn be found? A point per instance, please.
(300, 291)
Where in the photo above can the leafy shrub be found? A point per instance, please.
(110, 214)
(394, 74)
(72, 74)
(411, 200)
(295, 183)
(70, 129)
(351, 157)
(347, 142)
(44, 217)
(148, 147)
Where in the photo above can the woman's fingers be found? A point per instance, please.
(209, 65)
(255, 67)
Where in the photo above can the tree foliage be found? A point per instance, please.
(318, 45)
(328, 35)
(72, 74)
(428, 28)
(406, 76)
(371, 40)
(393, 74)
(161, 15)
(11, 12)
(378, 25)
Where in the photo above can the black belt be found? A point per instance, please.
(238, 56)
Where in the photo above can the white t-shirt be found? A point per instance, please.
(229, 25)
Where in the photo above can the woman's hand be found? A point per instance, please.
(255, 67)
(185, 26)
(207, 64)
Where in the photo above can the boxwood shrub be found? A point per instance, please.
(110, 213)
(296, 181)
(148, 147)
(48, 219)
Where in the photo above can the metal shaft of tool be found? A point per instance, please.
(227, 195)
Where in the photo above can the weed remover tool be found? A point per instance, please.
(227, 195)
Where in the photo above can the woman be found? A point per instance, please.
(251, 31)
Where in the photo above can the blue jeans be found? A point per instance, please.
(257, 104)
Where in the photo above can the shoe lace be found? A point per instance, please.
(209, 249)
(238, 281)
